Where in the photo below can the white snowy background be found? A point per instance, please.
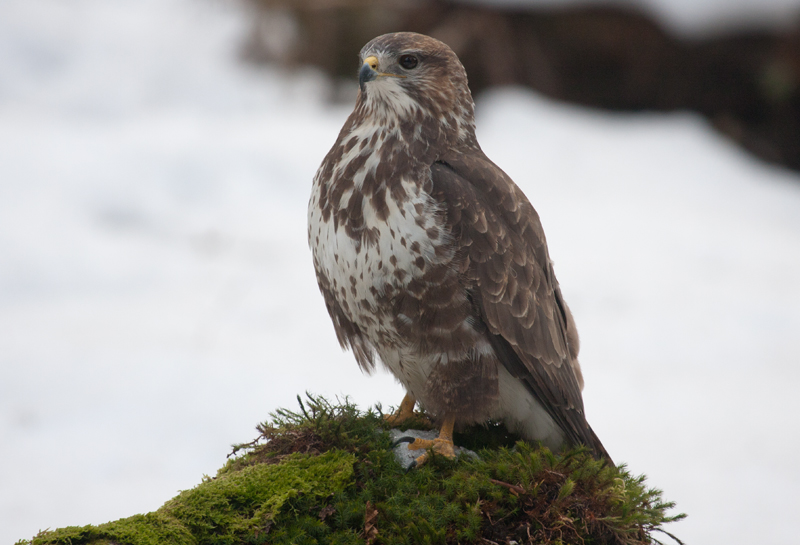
(157, 298)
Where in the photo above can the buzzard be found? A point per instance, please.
(429, 257)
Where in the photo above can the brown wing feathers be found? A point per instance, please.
(512, 285)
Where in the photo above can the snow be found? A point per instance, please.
(157, 298)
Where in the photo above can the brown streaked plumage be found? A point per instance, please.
(428, 255)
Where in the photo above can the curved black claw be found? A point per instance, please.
(405, 439)
(411, 466)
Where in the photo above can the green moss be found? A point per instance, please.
(319, 474)
(236, 507)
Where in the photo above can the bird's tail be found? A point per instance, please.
(596, 446)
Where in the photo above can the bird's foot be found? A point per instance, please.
(397, 418)
(442, 445)
(445, 447)
(404, 413)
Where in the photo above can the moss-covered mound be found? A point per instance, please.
(327, 474)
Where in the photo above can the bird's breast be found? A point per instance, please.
(394, 243)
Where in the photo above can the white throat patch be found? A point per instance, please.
(386, 98)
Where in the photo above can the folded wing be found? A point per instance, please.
(502, 253)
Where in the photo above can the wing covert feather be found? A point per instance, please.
(508, 273)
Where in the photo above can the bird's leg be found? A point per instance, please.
(405, 412)
(441, 445)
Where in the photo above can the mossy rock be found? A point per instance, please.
(327, 474)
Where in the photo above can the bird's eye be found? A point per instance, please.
(409, 61)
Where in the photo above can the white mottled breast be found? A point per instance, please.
(353, 267)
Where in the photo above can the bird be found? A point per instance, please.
(432, 261)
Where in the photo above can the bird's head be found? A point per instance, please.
(409, 78)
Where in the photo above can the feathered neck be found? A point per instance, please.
(426, 121)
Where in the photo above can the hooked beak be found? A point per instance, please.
(369, 72)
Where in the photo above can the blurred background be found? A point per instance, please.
(157, 298)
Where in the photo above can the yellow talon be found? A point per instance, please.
(442, 445)
(439, 446)
(405, 412)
